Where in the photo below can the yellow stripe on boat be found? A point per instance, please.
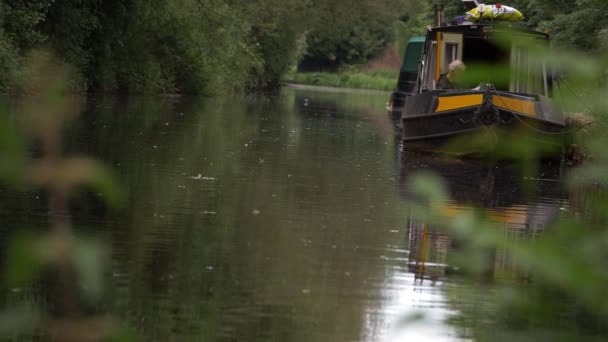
(514, 105)
(456, 102)
(511, 215)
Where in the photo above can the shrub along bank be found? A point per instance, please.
(378, 79)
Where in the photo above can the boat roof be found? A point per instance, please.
(417, 39)
(489, 26)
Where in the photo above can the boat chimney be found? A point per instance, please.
(438, 10)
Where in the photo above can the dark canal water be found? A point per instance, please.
(280, 218)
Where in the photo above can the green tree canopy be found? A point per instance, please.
(215, 46)
(350, 32)
(137, 46)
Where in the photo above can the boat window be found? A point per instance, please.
(451, 49)
(451, 54)
(485, 63)
(527, 73)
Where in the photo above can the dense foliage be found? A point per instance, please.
(192, 46)
(346, 32)
(216, 46)
(574, 24)
(188, 46)
(578, 24)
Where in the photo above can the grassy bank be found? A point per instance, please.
(377, 79)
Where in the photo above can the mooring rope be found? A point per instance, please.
(540, 130)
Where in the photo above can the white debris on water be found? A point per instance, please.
(201, 177)
(305, 291)
(255, 212)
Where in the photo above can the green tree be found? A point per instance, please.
(276, 28)
(578, 24)
(350, 32)
(136, 46)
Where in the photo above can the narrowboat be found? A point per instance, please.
(515, 99)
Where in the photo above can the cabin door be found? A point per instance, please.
(429, 68)
(451, 50)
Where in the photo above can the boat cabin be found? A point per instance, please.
(475, 44)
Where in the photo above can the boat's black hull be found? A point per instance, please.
(433, 129)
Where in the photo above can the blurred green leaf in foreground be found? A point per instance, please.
(74, 263)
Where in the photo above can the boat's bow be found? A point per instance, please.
(440, 114)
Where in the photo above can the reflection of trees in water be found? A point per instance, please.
(498, 189)
(190, 257)
(307, 105)
(337, 106)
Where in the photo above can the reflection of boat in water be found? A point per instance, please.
(497, 188)
(505, 85)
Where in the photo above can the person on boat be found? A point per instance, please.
(449, 79)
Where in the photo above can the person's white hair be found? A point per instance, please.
(457, 65)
